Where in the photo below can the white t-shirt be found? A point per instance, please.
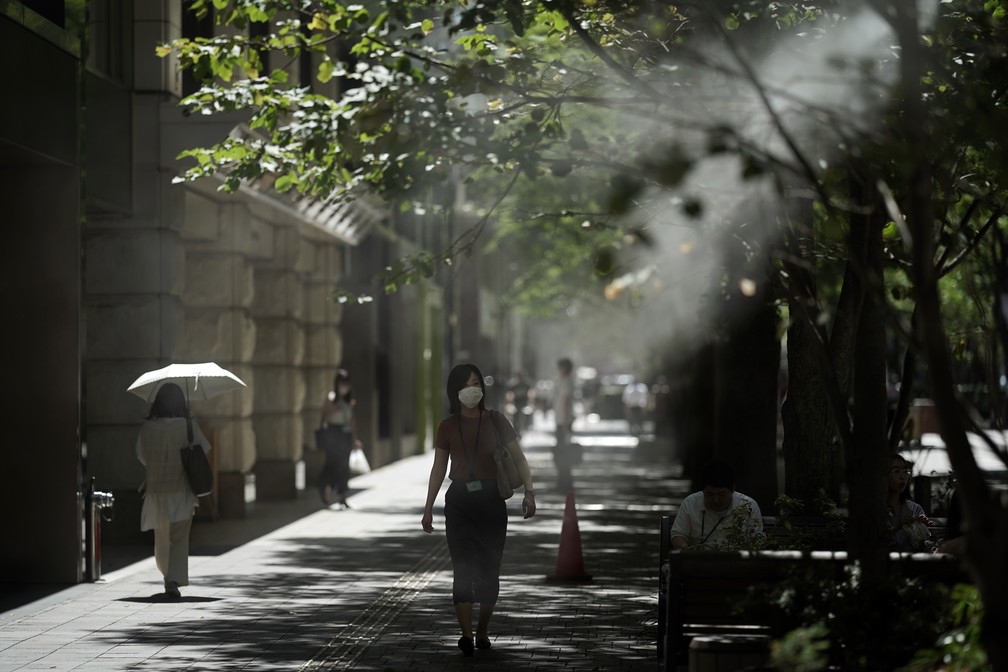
(563, 401)
(700, 526)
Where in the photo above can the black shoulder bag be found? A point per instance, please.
(196, 465)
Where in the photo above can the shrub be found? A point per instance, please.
(816, 614)
(958, 648)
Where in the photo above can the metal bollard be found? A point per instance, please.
(98, 506)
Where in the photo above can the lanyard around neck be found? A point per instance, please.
(479, 426)
(703, 521)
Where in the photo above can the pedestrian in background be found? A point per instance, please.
(337, 438)
(564, 453)
(518, 403)
(168, 503)
(636, 398)
(475, 513)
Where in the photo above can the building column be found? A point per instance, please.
(279, 395)
(217, 298)
(133, 298)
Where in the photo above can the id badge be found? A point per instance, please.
(474, 486)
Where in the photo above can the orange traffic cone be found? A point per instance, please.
(570, 563)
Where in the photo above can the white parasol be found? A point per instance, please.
(198, 381)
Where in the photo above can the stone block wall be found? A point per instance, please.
(217, 299)
(277, 359)
(135, 321)
(190, 274)
(222, 282)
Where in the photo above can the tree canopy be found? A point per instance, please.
(845, 160)
(594, 96)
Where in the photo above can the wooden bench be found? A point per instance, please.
(699, 590)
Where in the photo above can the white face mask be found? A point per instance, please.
(470, 396)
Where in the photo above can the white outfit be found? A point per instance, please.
(700, 526)
(563, 406)
(168, 502)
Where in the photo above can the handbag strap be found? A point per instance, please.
(188, 425)
(500, 437)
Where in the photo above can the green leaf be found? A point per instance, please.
(284, 183)
(319, 22)
(325, 70)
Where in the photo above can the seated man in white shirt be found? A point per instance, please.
(717, 516)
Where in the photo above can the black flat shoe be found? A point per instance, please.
(483, 643)
(466, 644)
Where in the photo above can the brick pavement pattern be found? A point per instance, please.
(366, 589)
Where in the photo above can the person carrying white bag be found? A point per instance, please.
(358, 462)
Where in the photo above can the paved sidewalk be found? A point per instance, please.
(365, 589)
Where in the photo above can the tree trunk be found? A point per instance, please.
(693, 409)
(869, 459)
(726, 406)
(816, 412)
(986, 516)
(902, 412)
(746, 430)
(809, 425)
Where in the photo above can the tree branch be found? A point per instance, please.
(626, 74)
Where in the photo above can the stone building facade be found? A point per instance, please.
(111, 269)
(188, 274)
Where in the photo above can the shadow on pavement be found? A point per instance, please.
(161, 597)
(368, 597)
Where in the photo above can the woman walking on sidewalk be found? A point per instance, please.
(168, 503)
(337, 440)
(475, 514)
